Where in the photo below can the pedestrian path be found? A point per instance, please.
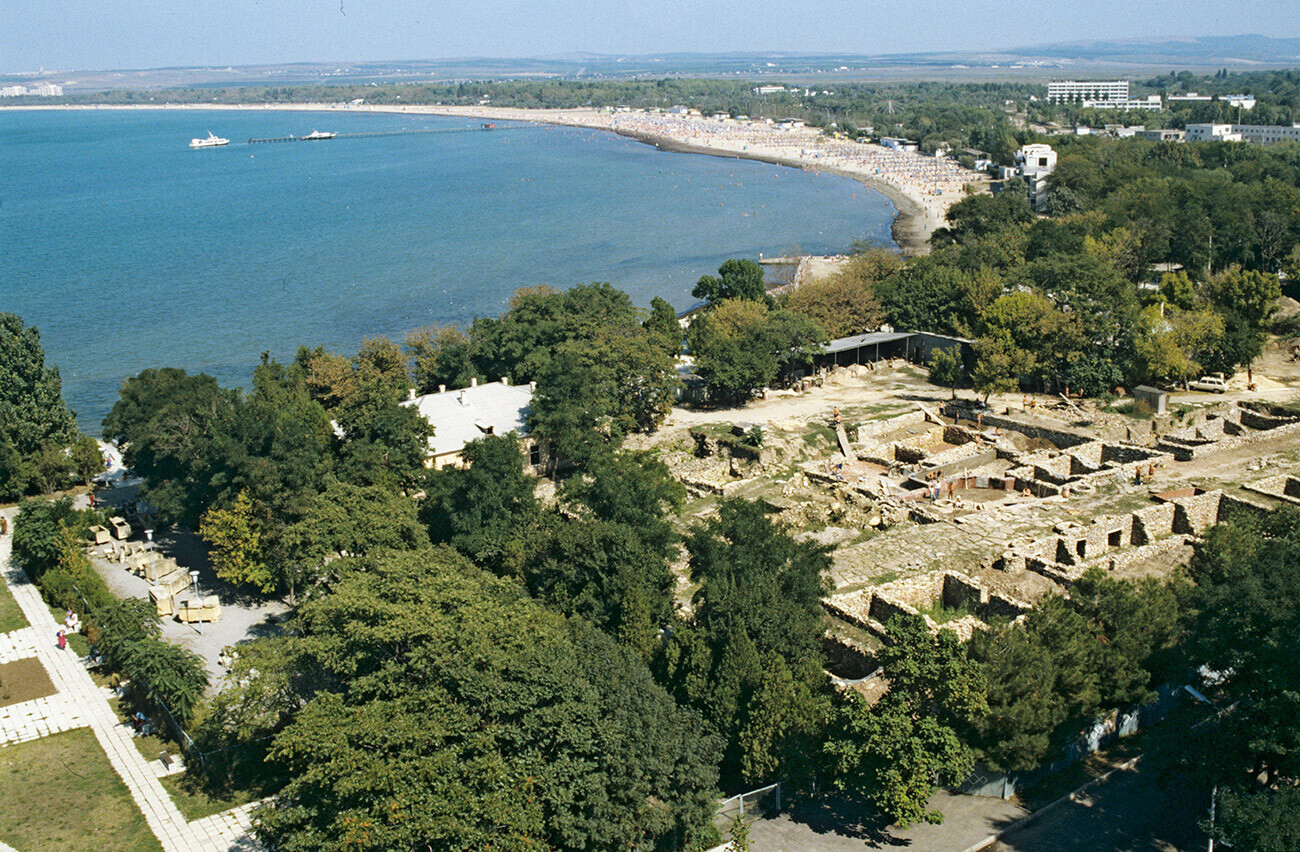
(81, 703)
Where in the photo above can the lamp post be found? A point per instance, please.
(198, 601)
(148, 534)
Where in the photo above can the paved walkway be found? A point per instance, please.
(80, 702)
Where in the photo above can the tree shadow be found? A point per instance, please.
(846, 816)
(189, 550)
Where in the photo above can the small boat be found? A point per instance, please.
(213, 141)
(316, 134)
(489, 126)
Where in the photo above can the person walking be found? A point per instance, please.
(62, 640)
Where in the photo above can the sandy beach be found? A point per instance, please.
(921, 188)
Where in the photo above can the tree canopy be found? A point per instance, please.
(451, 710)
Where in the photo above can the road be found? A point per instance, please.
(1127, 812)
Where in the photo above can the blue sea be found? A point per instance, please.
(129, 250)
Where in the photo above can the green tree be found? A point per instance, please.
(86, 459)
(170, 674)
(34, 419)
(927, 296)
(736, 279)
(751, 661)
(487, 509)
(594, 392)
(234, 536)
(898, 750)
(741, 345)
(171, 426)
(999, 364)
(441, 356)
(839, 304)
(460, 714)
(122, 624)
(983, 215)
(946, 369)
(663, 328)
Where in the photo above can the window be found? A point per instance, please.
(534, 454)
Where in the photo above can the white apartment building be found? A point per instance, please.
(1211, 133)
(44, 90)
(1126, 104)
(1260, 134)
(1036, 162)
(1076, 91)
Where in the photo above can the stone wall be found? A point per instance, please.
(1264, 420)
(876, 428)
(1115, 542)
(1153, 522)
(1060, 435)
(1185, 449)
(1281, 487)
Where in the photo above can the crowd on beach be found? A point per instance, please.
(934, 183)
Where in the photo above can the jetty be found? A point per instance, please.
(377, 133)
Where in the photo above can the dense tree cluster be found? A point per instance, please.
(1244, 611)
(742, 340)
(1105, 646)
(1055, 303)
(40, 446)
(424, 703)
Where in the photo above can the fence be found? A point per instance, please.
(756, 804)
(984, 781)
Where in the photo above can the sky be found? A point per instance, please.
(97, 34)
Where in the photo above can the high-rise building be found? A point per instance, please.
(1076, 91)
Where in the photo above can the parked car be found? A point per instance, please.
(1212, 384)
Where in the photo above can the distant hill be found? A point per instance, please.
(1029, 63)
(1222, 50)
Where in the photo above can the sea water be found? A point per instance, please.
(128, 249)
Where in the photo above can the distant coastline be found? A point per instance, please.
(918, 213)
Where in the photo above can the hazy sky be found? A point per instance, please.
(99, 34)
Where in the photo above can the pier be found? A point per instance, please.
(377, 133)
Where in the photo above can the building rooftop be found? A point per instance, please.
(467, 414)
(844, 344)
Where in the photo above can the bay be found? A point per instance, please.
(129, 250)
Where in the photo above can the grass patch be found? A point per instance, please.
(942, 614)
(197, 799)
(24, 680)
(817, 433)
(63, 796)
(1134, 409)
(11, 617)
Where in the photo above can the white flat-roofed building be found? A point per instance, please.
(461, 416)
(1260, 134)
(1078, 91)
(40, 90)
(895, 143)
(1036, 162)
(1211, 133)
(1242, 101)
(1126, 104)
(1190, 97)
(1161, 135)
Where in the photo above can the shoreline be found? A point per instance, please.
(917, 213)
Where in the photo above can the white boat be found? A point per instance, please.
(213, 141)
(316, 134)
